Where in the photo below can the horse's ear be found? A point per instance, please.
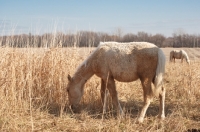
(69, 78)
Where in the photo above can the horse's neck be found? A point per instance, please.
(83, 73)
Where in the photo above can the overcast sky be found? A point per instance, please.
(131, 16)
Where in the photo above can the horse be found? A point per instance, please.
(124, 62)
(179, 54)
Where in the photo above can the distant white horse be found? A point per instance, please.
(179, 54)
(123, 62)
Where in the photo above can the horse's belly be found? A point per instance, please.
(124, 70)
(177, 55)
(125, 76)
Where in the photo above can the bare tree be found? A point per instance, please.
(158, 39)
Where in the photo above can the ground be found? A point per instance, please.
(33, 95)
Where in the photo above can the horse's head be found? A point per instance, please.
(75, 92)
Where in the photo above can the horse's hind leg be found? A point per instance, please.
(162, 103)
(148, 95)
(112, 90)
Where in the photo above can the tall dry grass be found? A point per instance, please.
(33, 95)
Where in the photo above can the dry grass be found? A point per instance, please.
(33, 96)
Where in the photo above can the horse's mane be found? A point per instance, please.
(185, 55)
(86, 62)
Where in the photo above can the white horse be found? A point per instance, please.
(123, 62)
(179, 54)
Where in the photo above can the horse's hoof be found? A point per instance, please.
(120, 116)
(140, 120)
(162, 117)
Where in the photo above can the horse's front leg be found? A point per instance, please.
(103, 88)
(104, 95)
(112, 90)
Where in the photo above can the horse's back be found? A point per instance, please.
(128, 61)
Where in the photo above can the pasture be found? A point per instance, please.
(33, 95)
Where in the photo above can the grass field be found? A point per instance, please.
(33, 95)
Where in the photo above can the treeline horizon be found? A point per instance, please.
(92, 39)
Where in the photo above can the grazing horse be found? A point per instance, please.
(123, 62)
(179, 54)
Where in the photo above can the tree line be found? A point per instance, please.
(92, 39)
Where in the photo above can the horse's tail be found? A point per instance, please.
(160, 70)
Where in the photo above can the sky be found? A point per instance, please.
(130, 16)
